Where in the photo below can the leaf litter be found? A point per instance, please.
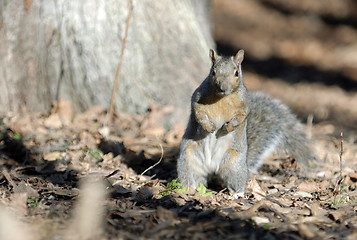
(59, 172)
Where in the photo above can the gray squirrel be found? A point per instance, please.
(231, 131)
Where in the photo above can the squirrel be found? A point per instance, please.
(231, 131)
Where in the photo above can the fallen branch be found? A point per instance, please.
(151, 167)
(117, 75)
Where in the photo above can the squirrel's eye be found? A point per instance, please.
(236, 73)
(213, 73)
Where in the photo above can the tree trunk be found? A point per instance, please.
(54, 50)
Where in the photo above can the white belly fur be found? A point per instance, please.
(213, 150)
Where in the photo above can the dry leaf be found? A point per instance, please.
(353, 176)
(104, 131)
(316, 210)
(23, 125)
(315, 220)
(337, 214)
(64, 111)
(121, 190)
(23, 187)
(87, 140)
(181, 201)
(272, 191)
(143, 194)
(256, 189)
(53, 121)
(156, 132)
(260, 220)
(52, 156)
(302, 195)
(309, 187)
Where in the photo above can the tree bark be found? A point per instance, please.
(54, 50)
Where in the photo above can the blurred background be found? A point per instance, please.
(301, 51)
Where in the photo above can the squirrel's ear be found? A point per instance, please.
(213, 55)
(238, 58)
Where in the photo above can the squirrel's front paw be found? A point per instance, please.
(206, 123)
(208, 127)
(231, 125)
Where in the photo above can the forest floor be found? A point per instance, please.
(48, 162)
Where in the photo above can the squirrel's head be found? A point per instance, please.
(226, 72)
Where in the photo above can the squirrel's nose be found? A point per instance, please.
(223, 86)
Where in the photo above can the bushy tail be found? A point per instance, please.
(298, 146)
(272, 127)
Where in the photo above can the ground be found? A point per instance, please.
(46, 160)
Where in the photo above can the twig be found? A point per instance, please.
(224, 189)
(9, 179)
(153, 176)
(113, 173)
(272, 200)
(340, 178)
(151, 167)
(110, 175)
(341, 153)
(117, 75)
